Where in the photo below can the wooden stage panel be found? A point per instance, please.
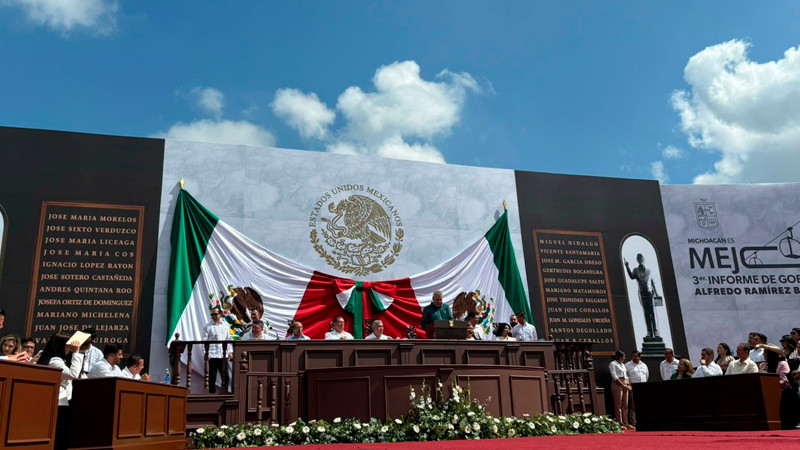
(397, 390)
(725, 403)
(341, 397)
(484, 387)
(28, 405)
(156, 417)
(534, 400)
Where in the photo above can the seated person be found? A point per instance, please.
(133, 369)
(65, 356)
(472, 318)
(437, 310)
(29, 347)
(297, 332)
(685, 370)
(377, 330)
(756, 353)
(524, 331)
(108, 366)
(744, 364)
(256, 332)
(707, 367)
(11, 349)
(503, 332)
(338, 330)
(470, 332)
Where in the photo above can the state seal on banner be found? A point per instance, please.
(706, 214)
(356, 229)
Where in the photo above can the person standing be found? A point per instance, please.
(637, 373)
(216, 330)
(620, 387)
(437, 310)
(524, 331)
(477, 330)
(669, 365)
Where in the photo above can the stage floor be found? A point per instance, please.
(629, 439)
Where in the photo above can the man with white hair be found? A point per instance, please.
(437, 310)
(377, 330)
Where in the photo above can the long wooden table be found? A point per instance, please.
(28, 405)
(112, 413)
(722, 403)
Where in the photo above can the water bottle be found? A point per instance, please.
(166, 377)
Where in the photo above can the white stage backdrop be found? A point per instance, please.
(736, 264)
(278, 197)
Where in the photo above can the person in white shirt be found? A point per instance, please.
(256, 332)
(523, 331)
(620, 387)
(669, 365)
(65, 356)
(216, 330)
(707, 367)
(133, 369)
(338, 330)
(109, 365)
(477, 330)
(92, 354)
(756, 353)
(377, 330)
(744, 364)
(297, 332)
(637, 373)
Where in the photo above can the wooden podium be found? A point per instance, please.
(111, 413)
(449, 329)
(28, 405)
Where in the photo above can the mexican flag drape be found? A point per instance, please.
(208, 256)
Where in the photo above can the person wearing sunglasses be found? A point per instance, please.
(216, 330)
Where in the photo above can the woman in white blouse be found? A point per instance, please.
(67, 357)
(620, 386)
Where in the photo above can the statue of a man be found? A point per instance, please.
(642, 276)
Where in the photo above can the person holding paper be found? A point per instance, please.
(109, 365)
(62, 352)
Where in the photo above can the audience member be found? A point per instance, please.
(724, 356)
(377, 330)
(2, 318)
(685, 370)
(620, 387)
(109, 365)
(10, 344)
(67, 357)
(637, 373)
(776, 363)
(256, 332)
(744, 364)
(503, 332)
(790, 351)
(473, 317)
(297, 332)
(470, 332)
(756, 353)
(134, 367)
(338, 330)
(512, 321)
(216, 330)
(524, 331)
(93, 354)
(707, 367)
(29, 347)
(795, 334)
(669, 365)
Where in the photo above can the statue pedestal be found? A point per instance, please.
(653, 346)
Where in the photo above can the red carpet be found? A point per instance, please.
(630, 439)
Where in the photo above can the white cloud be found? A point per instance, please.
(658, 171)
(400, 119)
(209, 100)
(97, 16)
(303, 112)
(748, 112)
(220, 132)
(672, 152)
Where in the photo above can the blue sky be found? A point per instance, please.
(684, 92)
